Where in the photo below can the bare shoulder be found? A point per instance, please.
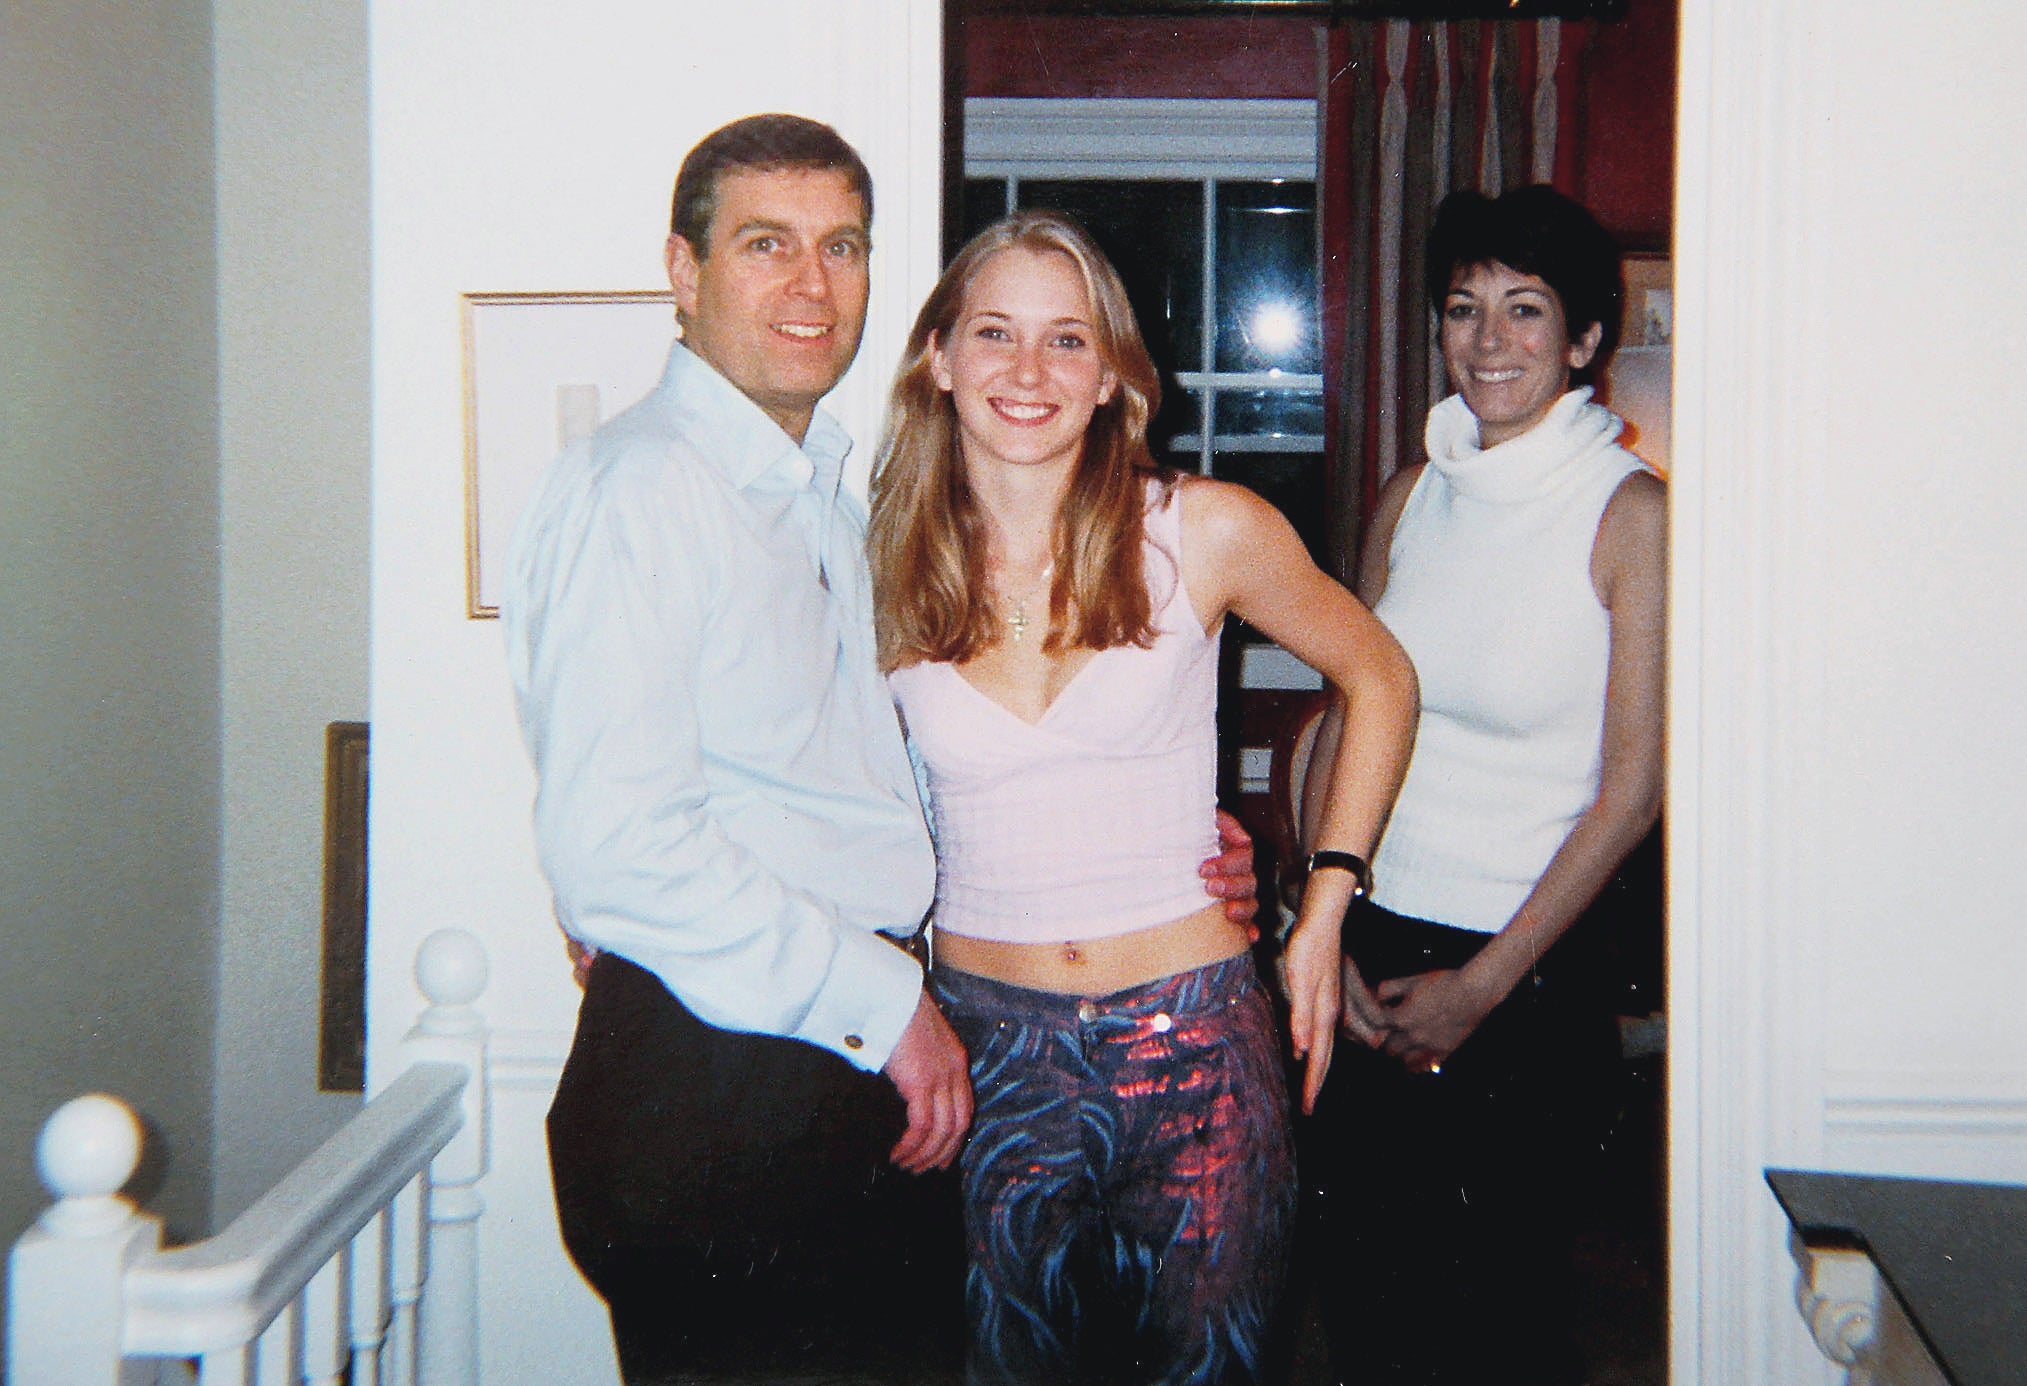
(1394, 494)
(1379, 534)
(1224, 515)
(1234, 544)
(1637, 515)
(1632, 542)
(1213, 505)
(1393, 497)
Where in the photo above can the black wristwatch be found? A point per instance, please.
(1361, 874)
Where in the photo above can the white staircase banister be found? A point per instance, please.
(360, 1266)
(224, 1291)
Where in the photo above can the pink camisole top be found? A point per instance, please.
(1093, 820)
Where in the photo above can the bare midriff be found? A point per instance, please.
(1099, 966)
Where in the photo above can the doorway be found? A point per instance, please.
(1081, 109)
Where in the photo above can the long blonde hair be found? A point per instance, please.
(927, 540)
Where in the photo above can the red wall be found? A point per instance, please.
(1077, 55)
(1628, 175)
(1628, 103)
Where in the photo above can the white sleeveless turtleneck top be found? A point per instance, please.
(1489, 589)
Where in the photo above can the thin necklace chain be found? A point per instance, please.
(1018, 620)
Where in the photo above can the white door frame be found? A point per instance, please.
(1745, 1071)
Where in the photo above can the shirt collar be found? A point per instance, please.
(755, 449)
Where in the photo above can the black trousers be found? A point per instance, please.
(729, 1196)
(1447, 1199)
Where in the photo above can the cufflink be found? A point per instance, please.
(854, 1042)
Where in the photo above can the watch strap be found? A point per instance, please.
(1361, 873)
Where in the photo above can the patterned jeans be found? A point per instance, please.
(1128, 1183)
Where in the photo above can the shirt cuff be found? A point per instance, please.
(866, 1002)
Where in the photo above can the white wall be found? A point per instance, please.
(530, 146)
(109, 610)
(186, 525)
(293, 435)
(1847, 728)
(1922, 283)
(1849, 735)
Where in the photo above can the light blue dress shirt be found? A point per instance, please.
(723, 793)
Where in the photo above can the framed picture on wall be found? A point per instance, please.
(541, 371)
(1640, 380)
(1649, 317)
(341, 1047)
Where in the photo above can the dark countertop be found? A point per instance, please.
(1954, 1254)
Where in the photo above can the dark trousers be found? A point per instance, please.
(729, 1196)
(1447, 1199)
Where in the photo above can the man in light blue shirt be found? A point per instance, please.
(726, 812)
(727, 815)
(724, 798)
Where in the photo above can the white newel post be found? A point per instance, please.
(66, 1274)
(451, 970)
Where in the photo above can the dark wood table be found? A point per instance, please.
(1952, 1256)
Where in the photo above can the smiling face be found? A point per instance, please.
(1022, 365)
(778, 300)
(1508, 349)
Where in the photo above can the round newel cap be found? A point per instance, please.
(451, 968)
(89, 1147)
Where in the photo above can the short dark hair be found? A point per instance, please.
(1535, 230)
(766, 142)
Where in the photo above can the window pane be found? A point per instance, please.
(1176, 435)
(984, 204)
(1267, 277)
(1269, 413)
(1153, 232)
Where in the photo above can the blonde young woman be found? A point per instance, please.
(1048, 605)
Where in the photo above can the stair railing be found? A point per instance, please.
(359, 1267)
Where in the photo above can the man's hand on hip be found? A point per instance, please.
(929, 1068)
(1229, 874)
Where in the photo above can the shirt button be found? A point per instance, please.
(1161, 1024)
(1087, 1011)
(854, 1042)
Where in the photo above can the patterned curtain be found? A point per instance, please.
(1410, 111)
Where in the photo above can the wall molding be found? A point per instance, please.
(527, 1060)
(1926, 1102)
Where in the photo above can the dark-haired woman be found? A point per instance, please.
(1523, 568)
(1048, 605)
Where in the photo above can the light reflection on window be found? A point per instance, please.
(1274, 327)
